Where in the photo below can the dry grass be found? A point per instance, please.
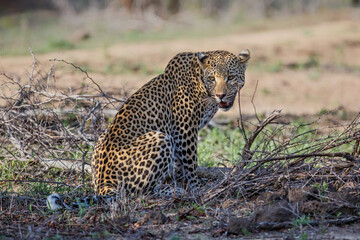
(46, 139)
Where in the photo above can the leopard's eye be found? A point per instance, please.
(230, 77)
(211, 78)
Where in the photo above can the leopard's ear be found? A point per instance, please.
(201, 59)
(244, 55)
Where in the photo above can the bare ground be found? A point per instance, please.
(301, 70)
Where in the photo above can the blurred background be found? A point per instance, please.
(304, 54)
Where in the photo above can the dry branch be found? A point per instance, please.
(279, 225)
(246, 153)
(345, 155)
(42, 124)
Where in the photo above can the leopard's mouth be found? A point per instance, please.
(225, 106)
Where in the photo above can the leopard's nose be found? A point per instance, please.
(221, 95)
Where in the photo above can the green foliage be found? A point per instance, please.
(21, 31)
(175, 237)
(56, 237)
(219, 144)
(311, 62)
(265, 66)
(323, 229)
(44, 33)
(60, 44)
(304, 236)
(126, 67)
(13, 170)
(323, 188)
(198, 208)
(275, 67)
(70, 119)
(82, 209)
(9, 170)
(265, 91)
(225, 145)
(301, 222)
(190, 217)
(245, 232)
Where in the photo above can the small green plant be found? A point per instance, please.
(301, 223)
(144, 203)
(123, 66)
(60, 44)
(174, 237)
(56, 237)
(275, 67)
(265, 66)
(200, 209)
(96, 235)
(190, 217)
(245, 232)
(71, 118)
(323, 111)
(9, 169)
(311, 62)
(106, 233)
(42, 188)
(30, 207)
(265, 91)
(82, 210)
(322, 188)
(304, 236)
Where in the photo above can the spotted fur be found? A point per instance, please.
(155, 132)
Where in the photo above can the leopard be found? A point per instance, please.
(155, 132)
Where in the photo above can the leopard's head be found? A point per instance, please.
(224, 74)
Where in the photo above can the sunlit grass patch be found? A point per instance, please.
(219, 146)
(224, 145)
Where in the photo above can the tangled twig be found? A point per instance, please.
(54, 127)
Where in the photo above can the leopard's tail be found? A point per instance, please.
(54, 202)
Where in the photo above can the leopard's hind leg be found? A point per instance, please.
(137, 167)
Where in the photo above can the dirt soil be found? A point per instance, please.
(287, 213)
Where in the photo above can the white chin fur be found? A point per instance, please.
(225, 109)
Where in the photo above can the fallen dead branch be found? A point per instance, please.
(280, 225)
(246, 153)
(344, 155)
